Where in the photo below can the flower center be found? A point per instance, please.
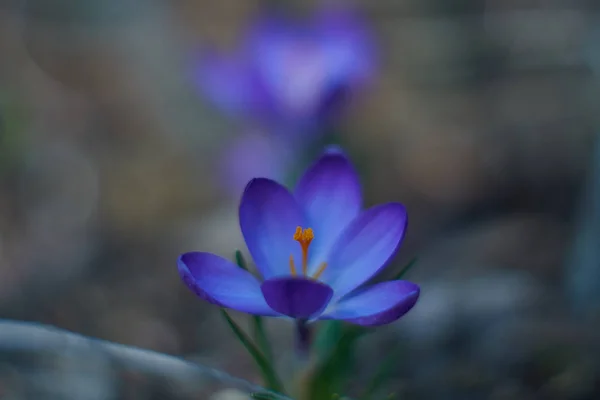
(305, 237)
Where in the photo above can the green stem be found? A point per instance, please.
(261, 338)
(272, 381)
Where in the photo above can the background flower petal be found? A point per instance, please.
(296, 297)
(348, 44)
(269, 215)
(253, 154)
(221, 282)
(364, 247)
(330, 194)
(291, 62)
(228, 82)
(378, 305)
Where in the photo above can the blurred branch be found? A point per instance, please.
(29, 336)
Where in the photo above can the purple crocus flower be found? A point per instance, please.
(291, 74)
(313, 248)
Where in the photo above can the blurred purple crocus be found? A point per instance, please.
(313, 248)
(287, 73)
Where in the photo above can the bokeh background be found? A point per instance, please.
(482, 120)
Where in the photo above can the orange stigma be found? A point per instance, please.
(305, 237)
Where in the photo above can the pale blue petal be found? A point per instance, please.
(221, 282)
(378, 305)
(269, 215)
(330, 194)
(365, 247)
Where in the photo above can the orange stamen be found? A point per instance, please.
(304, 237)
(320, 270)
(292, 266)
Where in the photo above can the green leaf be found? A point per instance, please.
(382, 374)
(261, 338)
(240, 261)
(405, 269)
(332, 371)
(272, 381)
(327, 337)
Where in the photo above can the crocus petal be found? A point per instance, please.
(269, 215)
(228, 82)
(250, 155)
(289, 60)
(348, 44)
(364, 247)
(296, 297)
(330, 194)
(378, 305)
(221, 282)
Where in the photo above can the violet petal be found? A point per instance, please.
(330, 194)
(221, 282)
(380, 304)
(269, 215)
(296, 297)
(364, 247)
(289, 60)
(251, 155)
(348, 43)
(226, 81)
